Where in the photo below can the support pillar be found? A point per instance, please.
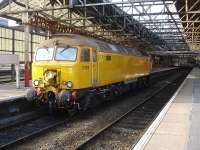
(70, 3)
(25, 21)
(186, 10)
(26, 56)
(17, 69)
(13, 52)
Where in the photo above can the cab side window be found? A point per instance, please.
(94, 56)
(85, 55)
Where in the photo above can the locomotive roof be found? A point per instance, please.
(74, 39)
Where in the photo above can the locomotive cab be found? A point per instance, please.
(60, 71)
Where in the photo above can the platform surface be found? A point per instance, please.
(180, 128)
(9, 91)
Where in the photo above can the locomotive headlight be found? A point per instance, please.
(36, 82)
(69, 84)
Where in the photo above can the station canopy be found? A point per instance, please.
(161, 25)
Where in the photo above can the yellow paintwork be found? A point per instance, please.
(81, 74)
(121, 68)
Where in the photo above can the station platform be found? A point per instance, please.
(8, 91)
(177, 127)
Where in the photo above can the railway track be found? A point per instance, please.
(14, 135)
(14, 120)
(5, 76)
(27, 129)
(7, 79)
(126, 130)
(5, 71)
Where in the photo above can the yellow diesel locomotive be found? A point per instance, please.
(73, 71)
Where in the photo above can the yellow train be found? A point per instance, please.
(72, 71)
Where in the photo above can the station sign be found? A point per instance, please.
(9, 59)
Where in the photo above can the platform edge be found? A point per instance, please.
(154, 125)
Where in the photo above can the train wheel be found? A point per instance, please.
(133, 88)
(50, 107)
(72, 111)
(30, 95)
(85, 103)
(51, 103)
(143, 82)
(139, 83)
(147, 82)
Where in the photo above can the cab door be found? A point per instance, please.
(85, 71)
(94, 65)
